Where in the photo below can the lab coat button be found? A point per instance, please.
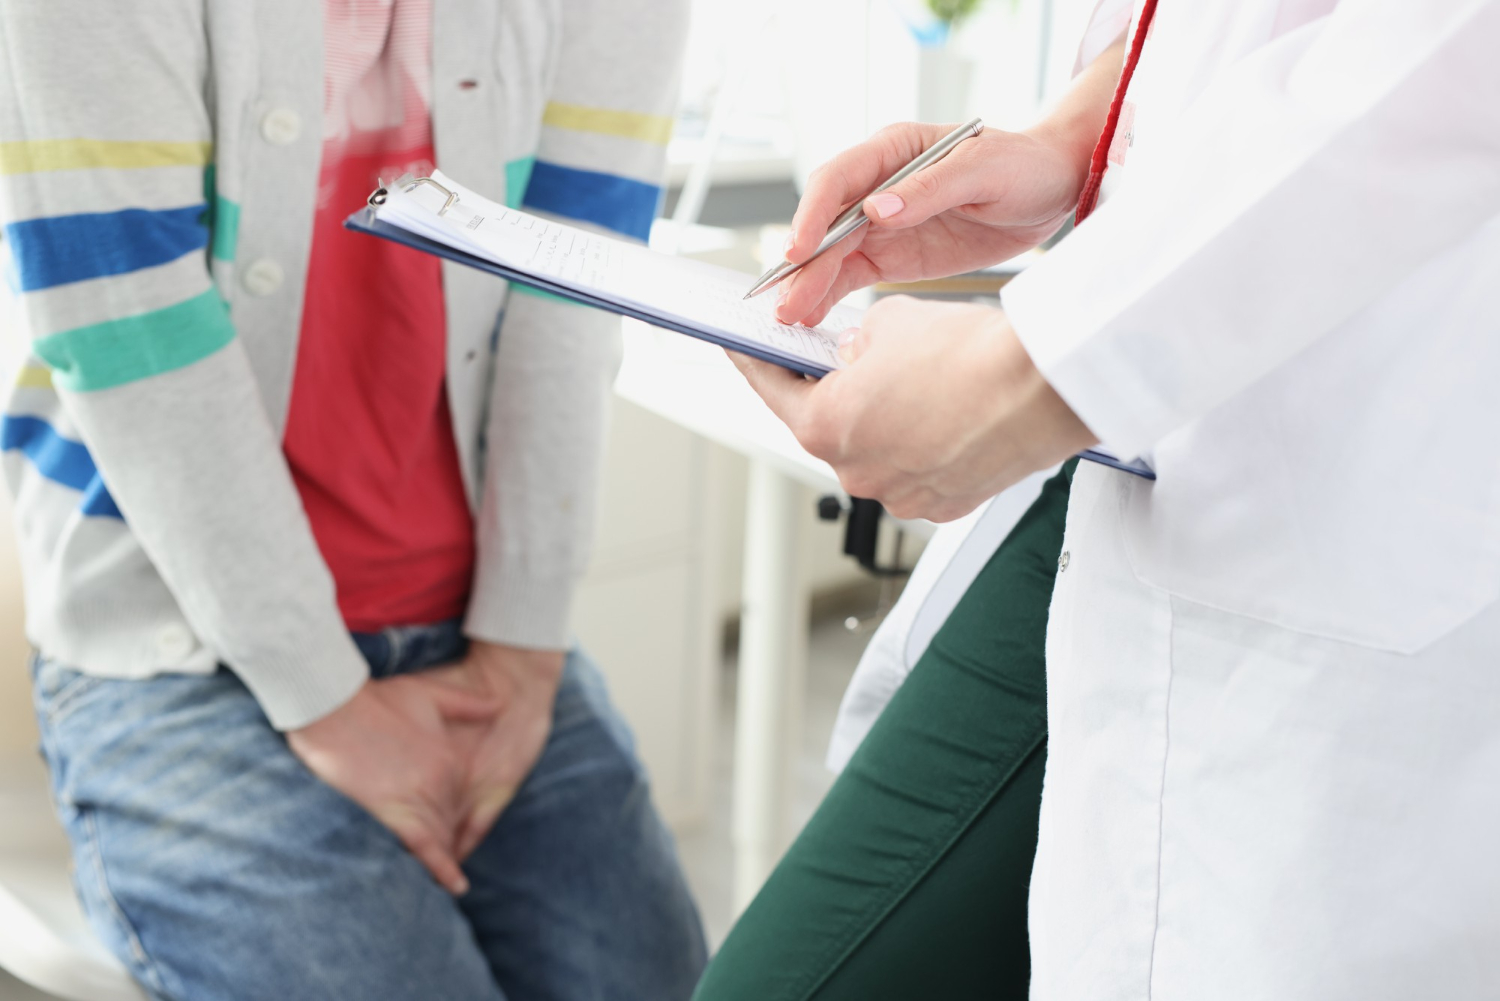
(174, 642)
(1062, 562)
(263, 277)
(281, 127)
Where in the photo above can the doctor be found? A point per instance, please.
(1272, 694)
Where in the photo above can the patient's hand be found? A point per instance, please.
(502, 750)
(394, 749)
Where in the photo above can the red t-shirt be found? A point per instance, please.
(368, 436)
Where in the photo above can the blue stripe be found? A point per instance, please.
(74, 248)
(97, 502)
(607, 200)
(60, 460)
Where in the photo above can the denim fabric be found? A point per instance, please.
(216, 866)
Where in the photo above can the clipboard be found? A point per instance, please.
(1136, 467)
(366, 221)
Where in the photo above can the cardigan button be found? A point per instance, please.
(281, 127)
(1063, 561)
(263, 277)
(173, 643)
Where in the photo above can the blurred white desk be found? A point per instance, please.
(694, 385)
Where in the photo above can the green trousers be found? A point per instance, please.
(911, 879)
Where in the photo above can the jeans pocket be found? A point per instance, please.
(58, 689)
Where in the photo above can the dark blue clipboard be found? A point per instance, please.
(364, 221)
(1137, 467)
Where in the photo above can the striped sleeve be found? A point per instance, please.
(606, 127)
(112, 219)
(600, 164)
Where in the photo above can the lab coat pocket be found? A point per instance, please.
(1317, 530)
(1354, 492)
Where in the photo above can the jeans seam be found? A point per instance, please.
(864, 925)
(146, 968)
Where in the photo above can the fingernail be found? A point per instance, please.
(791, 241)
(885, 204)
(460, 887)
(846, 344)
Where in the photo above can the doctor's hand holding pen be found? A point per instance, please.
(995, 196)
(940, 407)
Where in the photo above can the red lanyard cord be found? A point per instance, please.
(1100, 162)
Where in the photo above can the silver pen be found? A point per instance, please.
(854, 217)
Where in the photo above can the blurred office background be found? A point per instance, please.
(770, 90)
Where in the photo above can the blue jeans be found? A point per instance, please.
(216, 866)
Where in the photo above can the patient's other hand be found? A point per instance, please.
(503, 749)
(393, 749)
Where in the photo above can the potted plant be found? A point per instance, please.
(945, 76)
(951, 13)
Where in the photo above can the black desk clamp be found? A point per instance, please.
(862, 541)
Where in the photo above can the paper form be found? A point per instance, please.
(694, 294)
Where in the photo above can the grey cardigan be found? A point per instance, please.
(158, 170)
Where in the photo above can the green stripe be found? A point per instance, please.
(517, 176)
(538, 293)
(117, 352)
(226, 228)
(224, 220)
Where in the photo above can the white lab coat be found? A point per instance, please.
(1274, 674)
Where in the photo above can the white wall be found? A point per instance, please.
(648, 609)
(838, 70)
(17, 726)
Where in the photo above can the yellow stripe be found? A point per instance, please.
(606, 121)
(37, 155)
(34, 377)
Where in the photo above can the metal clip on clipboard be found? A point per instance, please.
(378, 196)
